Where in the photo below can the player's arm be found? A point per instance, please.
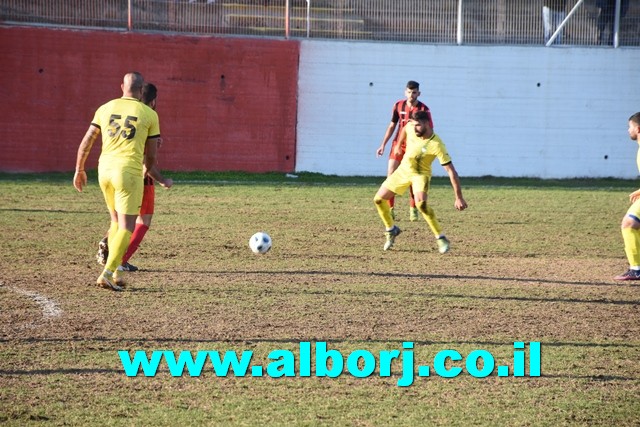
(155, 173)
(460, 203)
(402, 138)
(634, 196)
(150, 153)
(157, 177)
(80, 176)
(387, 135)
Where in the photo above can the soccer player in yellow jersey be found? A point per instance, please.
(143, 222)
(130, 132)
(400, 116)
(423, 146)
(631, 222)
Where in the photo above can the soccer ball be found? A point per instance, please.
(260, 243)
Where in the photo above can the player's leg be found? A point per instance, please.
(631, 235)
(395, 184)
(103, 244)
(413, 210)
(395, 157)
(391, 167)
(138, 234)
(143, 222)
(421, 189)
(126, 224)
(382, 206)
(106, 278)
(108, 191)
(128, 199)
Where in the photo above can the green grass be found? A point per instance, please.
(531, 260)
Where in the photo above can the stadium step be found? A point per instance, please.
(323, 21)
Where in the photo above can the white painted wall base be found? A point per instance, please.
(557, 112)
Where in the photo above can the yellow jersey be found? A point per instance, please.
(125, 124)
(421, 152)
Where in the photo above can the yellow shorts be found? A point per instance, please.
(634, 210)
(401, 179)
(122, 190)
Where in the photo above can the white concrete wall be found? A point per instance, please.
(501, 110)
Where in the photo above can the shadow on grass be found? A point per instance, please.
(182, 289)
(47, 211)
(298, 340)
(394, 275)
(162, 370)
(70, 371)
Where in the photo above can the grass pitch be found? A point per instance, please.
(530, 261)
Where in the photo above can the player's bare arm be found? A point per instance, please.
(150, 153)
(80, 176)
(390, 129)
(155, 173)
(402, 139)
(157, 176)
(460, 203)
(634, 196)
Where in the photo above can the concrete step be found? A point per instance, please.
(302, 32)
(329, 4)
(295, 22)
(267, 7)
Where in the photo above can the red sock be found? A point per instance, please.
(412, 201)
(136, 238)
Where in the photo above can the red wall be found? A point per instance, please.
(224, 103)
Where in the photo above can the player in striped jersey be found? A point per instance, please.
(400, 116)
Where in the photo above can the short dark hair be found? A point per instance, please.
(149, 93)
(412, 84)
(421, 116)
(635, 118)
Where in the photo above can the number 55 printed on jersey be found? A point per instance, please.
(127, 129)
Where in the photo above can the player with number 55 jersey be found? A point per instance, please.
(129, 130)
(125, 123)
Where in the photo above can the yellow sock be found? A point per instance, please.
(384, 211)
(117, 247)
(113, 228)
(631, 238)
(430, 216)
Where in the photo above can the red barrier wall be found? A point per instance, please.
(224, 103)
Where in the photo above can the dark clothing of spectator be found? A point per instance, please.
(607, 18)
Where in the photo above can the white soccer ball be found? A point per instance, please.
(260, 243)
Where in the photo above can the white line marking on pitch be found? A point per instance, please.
(49, 307)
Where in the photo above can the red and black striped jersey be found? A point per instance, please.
(402, 113)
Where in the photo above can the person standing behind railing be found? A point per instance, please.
(553, 13)
(606, 19)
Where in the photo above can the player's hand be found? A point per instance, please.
(380, 151)
(634, 196)
(79, 180)
(460, 204)
(167, 183)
